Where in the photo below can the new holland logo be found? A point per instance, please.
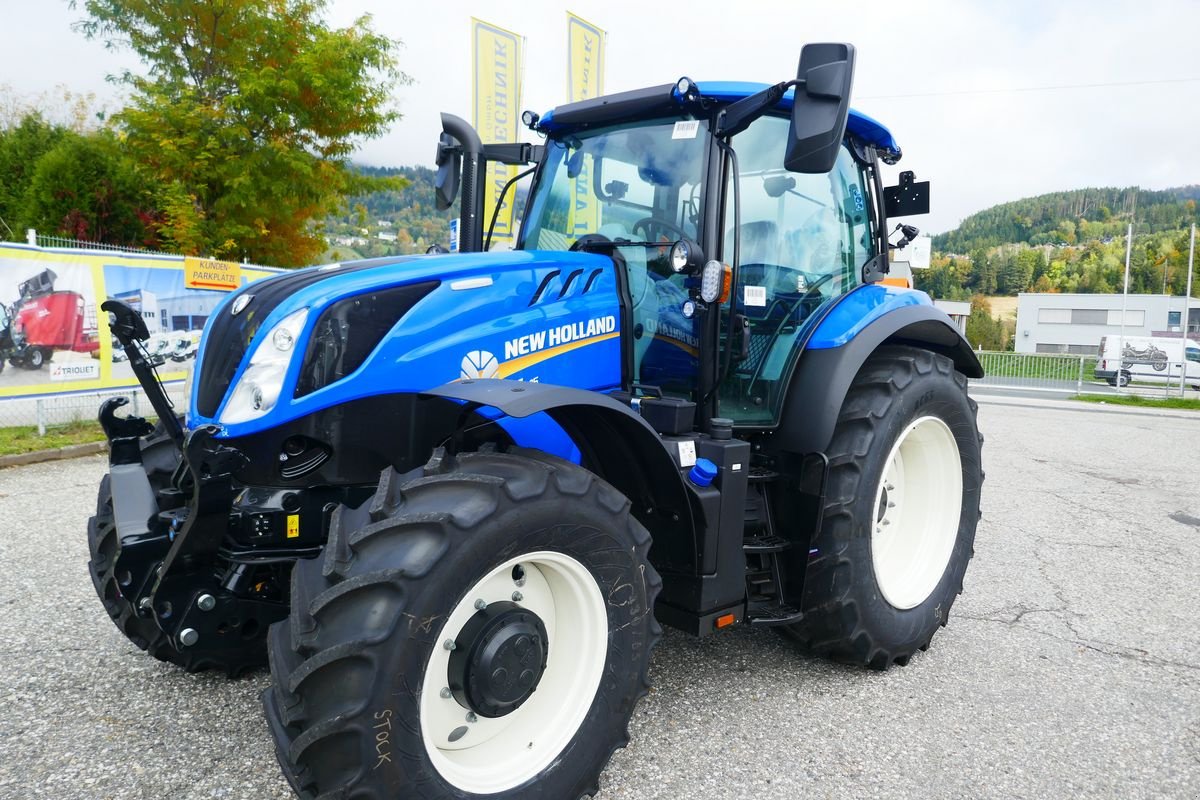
(479, 364)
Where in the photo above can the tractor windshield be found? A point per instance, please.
(635, 182)
(642, 185)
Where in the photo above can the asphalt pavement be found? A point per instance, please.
(1070, 667)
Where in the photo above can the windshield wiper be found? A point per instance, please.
(596, 244)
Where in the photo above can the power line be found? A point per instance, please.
(1028, 89)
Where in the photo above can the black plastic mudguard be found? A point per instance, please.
(822, 377)
(614, 442)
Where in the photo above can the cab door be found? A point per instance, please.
(803, 240)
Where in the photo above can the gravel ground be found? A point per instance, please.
(1071, 666)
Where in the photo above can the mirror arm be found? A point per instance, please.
(736, 117)
(513, 154)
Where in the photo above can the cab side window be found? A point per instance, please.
(802, 242)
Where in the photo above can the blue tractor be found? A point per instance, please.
(451, 497)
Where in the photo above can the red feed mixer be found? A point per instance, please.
(43, 320)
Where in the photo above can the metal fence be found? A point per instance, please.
(36, 239)
(1076, 374)
(1057, 374)
(51, 412)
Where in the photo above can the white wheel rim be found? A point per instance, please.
(918, 504)
(498, 754)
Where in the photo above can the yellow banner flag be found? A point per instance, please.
(497, 64)
(585, 80)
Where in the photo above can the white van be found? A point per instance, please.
(1148, 359)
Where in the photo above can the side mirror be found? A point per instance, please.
(821, 107)
(449, 164)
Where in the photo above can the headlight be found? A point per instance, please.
(679, 256)
(258, 389)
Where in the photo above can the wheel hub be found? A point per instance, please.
(498, 659)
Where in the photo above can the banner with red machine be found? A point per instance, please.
(54, 339)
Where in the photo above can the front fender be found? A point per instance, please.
(614, 442)
(823, 375)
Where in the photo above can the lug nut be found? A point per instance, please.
(144, 604)
(445, 693)
(449, 644)
(188, 637)
(480, 604)
(206, 602)
(517, 597)
(471, 717)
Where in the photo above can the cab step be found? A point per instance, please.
(768, 613)
(765, 543)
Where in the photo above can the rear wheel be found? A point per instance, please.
(480, 628)
(902, 504)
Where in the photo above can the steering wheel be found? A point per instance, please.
(648, 223)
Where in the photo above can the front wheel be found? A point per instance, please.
(480, 628)
(901, 507)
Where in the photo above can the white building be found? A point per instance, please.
(188, 312)
(1074, 323)
(145, 303)
(957, 311)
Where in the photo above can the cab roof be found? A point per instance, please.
(641, 103)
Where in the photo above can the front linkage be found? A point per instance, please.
(191, 564)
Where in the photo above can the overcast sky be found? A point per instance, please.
(978, 141)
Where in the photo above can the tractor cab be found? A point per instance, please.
(737, 214)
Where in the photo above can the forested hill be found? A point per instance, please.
(1073, 217)
(399, 220)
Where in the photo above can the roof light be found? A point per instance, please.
(686, 90)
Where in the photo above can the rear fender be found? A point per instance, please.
(823, 376)
(614, 442)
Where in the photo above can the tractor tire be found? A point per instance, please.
(160, 457)
(465, 568)
(37, 358)
(889, 559)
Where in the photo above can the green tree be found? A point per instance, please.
(21, 147)
(247, 115)
(983, 330)
(85, 187)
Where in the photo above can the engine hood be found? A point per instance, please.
(504, 314)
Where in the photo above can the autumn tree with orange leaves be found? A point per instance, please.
(246, 117)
